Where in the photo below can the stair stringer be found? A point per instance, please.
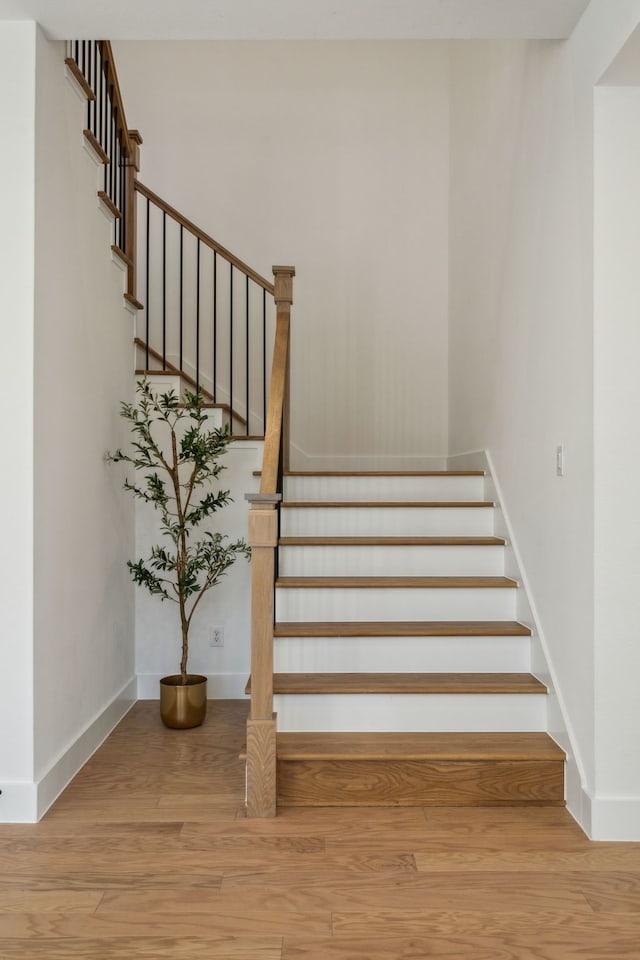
(559, 725)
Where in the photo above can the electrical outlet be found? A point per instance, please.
(216, 636)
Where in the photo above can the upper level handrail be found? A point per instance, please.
(111, 74)
(276, 435)
(204, 237)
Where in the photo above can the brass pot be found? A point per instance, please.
(183, 705)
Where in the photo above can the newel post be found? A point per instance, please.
(283, 296)
(261, 725)
(132, 168)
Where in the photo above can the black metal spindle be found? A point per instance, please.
(215, 318)
(264, 361)
(198, 316)
(164, 290)
(231, 348)
(99, 93)
(88, 77)
(181, 289)
(246, 347)
(123, 200)
(76, 55)
(84, 56)
(112, 156)
(107, 137)
(146, 297)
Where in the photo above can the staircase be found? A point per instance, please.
(401, 675)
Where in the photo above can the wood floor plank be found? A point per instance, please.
(145, 948)
(300, 890)
(531, 928)
(207, 923)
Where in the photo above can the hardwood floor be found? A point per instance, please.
(148, 855)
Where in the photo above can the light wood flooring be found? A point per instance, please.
(148, 855)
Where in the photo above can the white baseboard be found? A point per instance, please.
(613, 818)
(19, 802)
(59, 774)
(558, 723)
(27, 802)
(220, 686)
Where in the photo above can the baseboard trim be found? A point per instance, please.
(62, 771)
(613, 818)
(220, 686)
(19, 802)
(558, 724)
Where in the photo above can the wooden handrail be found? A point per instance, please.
(111, 75)
(204, 237)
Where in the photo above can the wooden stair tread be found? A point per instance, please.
(402, 628)
(379, 473)
(418, 746)
(391, 542)
(377, 583)
(387, 503)
(170, 369)
(412, 683)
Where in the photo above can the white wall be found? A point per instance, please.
(17, 109)
(521, 328)
(84, 524)
(332, 156)
(617, 458)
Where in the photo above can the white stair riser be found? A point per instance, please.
(384, 488)
(419, 712)
(386, 521)
(398, 603)
(402, 654)
(401, 561)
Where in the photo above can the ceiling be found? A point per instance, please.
(300, 19)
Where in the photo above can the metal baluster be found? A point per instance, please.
(146, 301)
(264, 361)
(215, 319)
(231, 348)
(181, 290)
(164, 290)
(198, 316)
(246, 346)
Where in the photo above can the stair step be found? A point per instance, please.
(383, 583)
(392, 542)
(387, 518)
(379, 473)
(405, 683)
(380, 486)
(402, 628)
(304, 504)
(418, 746)
(417, 769)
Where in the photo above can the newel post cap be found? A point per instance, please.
(283, 284)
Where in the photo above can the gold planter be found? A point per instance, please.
(183, 705)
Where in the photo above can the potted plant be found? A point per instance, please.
(179, 459)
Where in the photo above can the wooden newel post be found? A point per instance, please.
(134, 140)
(261, 726)
(283, 296)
